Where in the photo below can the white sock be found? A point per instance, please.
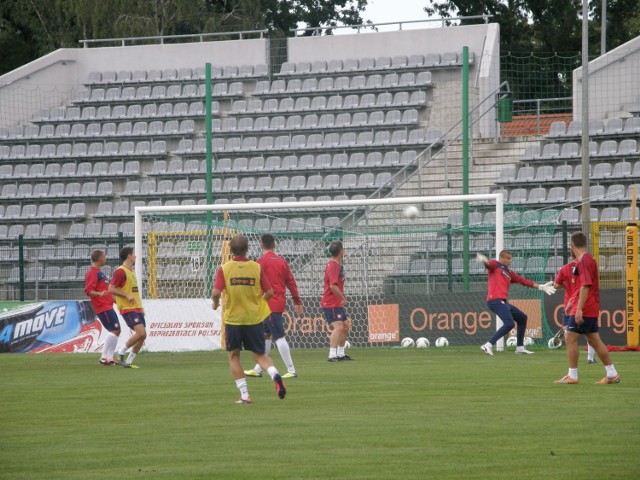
(110, 344)
(340, 351)
(123, 349)
(590, 352)
(241, 384)
(573, 373)
(272, 371)
(333, 353)
(611, 370)
(132, 356)
(285, 353)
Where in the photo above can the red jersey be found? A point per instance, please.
(280, 277)
(500, 278)
(566, 279)
(586, 273)
(96, 280)
(333, 275)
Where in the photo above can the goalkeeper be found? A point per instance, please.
(500, 278)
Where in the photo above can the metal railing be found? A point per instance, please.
(442, 21)
(201, 37)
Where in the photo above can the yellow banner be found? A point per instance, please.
(631, 284)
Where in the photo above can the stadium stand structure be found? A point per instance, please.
(328, 123)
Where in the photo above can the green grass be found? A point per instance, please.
(391, 413)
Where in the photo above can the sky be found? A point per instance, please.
(379, 11)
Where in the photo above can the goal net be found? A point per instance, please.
(405, 277)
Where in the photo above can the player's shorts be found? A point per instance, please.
(565, 319)
(109, 319)
(589, 325)
(335, 314)
(247, 337)
(133, 319)
(274, 325)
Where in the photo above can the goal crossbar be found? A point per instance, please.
(498, 198)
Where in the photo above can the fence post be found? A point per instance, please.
(21, 265)
(120, 241)
(565, 247)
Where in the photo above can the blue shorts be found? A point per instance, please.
(274, 325)
(109, 320)
(589, 325)
(565, 319)
(335, 314)
(247, 337)
(133, 319)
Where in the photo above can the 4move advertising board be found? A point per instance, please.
(191, 324)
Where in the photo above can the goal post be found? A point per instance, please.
(404, 276)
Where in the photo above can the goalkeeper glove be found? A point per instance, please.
(480, 258)
(547, 288)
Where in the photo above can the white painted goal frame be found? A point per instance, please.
(496, 198)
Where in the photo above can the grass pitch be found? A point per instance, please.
(392, 413)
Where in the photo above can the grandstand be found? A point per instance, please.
(351, 116)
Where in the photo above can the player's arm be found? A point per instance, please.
(90, 286)
(291, 284)
(218, 286)
(117, 281)
(265, 285)
(582, 299)
(336, 291)
(558, 282)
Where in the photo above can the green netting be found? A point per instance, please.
(424, 266)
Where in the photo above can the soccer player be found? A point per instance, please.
(245, 307)
(96, 286)
(584, 311)
(124, 286)
(333, 302)
(280, 277)
(564, 279)
(500, 278)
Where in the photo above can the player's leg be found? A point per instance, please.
(136, 322)
(593, 338)
(277, 333)
(502, 310)
(591, 353)
(233, 344)
(257, 369)
(521, 322)
(253, 340)
(571, 336)
(109, 320)
(337, 327)
(343, 340)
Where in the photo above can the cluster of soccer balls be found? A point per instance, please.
(423, 342)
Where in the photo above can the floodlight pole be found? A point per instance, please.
(586, 203)
(603, 29)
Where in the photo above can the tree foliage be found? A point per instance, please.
(31, 28)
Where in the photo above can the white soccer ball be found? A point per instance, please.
(347, 344)
(511, 341)
(407, 342)
(422, 342)
(411, 212)
(442, 342)
(554, 343)
(528, 341)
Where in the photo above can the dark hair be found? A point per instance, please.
(335, 248)
(239, 245)
(96, 255)
(579, 239)
(125, 252)
(504, 252)
(268, 241)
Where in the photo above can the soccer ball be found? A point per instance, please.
(422, 342)
(511, 341)
(442, 342)
(407, 342)
(528, 341)
(554, 343)
(347, 344)
(411, 212)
